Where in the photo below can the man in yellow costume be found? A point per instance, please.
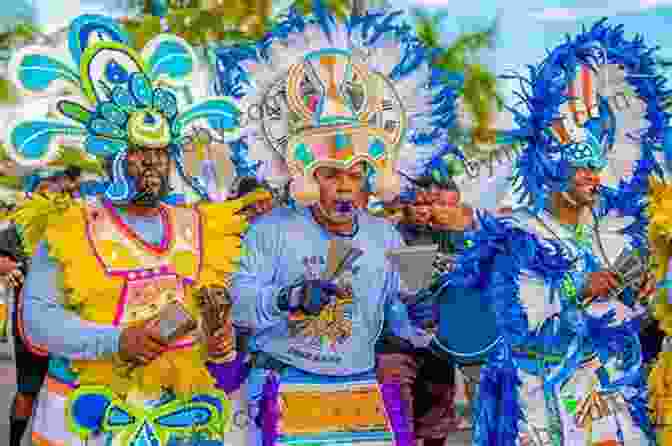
(121, 290)
(660, 379)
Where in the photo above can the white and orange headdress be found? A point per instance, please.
(321, 93)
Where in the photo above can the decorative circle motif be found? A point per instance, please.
(149, 129)
(288, 106)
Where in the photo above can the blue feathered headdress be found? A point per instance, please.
(128, 99)
(568, 122)
(388, 93)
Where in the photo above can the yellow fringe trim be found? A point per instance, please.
(223, 228)
(182, 370)
(660, 397)
(87, 287)
(34, 214)
(659, 210)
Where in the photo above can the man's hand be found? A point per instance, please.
(140, 343)
(454, 218)
(599, 284)
(317, 294)
(15, 278)
(648, 288)
(222, 343)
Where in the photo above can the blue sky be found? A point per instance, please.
(527, 27)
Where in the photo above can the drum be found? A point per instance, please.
(467, 329)
(330, 410)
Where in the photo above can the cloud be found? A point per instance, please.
(555, 14)
(435, 3)
(569, 14)
(648, 4)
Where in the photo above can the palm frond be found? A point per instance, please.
(8, 92)
(340, 8)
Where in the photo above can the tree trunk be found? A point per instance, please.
(359, 7)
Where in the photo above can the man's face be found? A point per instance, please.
(59, 185)
(420, 212)
(583, 187)
(150, 170)
(340, 191)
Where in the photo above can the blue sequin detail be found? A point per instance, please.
(119, 417)
(88, 410)
(146, 437)
(115, 73)
(208, 399)
(141, 89)
(186, 417)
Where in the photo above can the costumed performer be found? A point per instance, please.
(141, 304)
(567, 273)
(356, 96)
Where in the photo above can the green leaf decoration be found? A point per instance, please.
(75, 111)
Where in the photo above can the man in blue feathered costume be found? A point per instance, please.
(569, 368)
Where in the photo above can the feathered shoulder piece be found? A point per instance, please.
(506, 238)
(660, 213)
(33, 215)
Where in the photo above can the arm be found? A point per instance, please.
(255, 289)
(10, 245)
(47, 323)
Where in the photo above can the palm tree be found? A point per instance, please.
(666, 65)
(340, 8)
(21, 32)
(479, 86)
(199, 21)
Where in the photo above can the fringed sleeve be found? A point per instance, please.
(223, 226)
(34, 215)
(660, 239)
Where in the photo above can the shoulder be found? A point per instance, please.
(379, 227)
(280, 216)
(279, 221)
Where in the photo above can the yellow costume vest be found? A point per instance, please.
(112, 277)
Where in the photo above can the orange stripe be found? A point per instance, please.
(587, 76)
(571, 92)
(39, 440)
(33, 348)
(58, 387)
(560, 132)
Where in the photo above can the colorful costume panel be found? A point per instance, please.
(329, 94)
(569, 368)
(99, 269)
